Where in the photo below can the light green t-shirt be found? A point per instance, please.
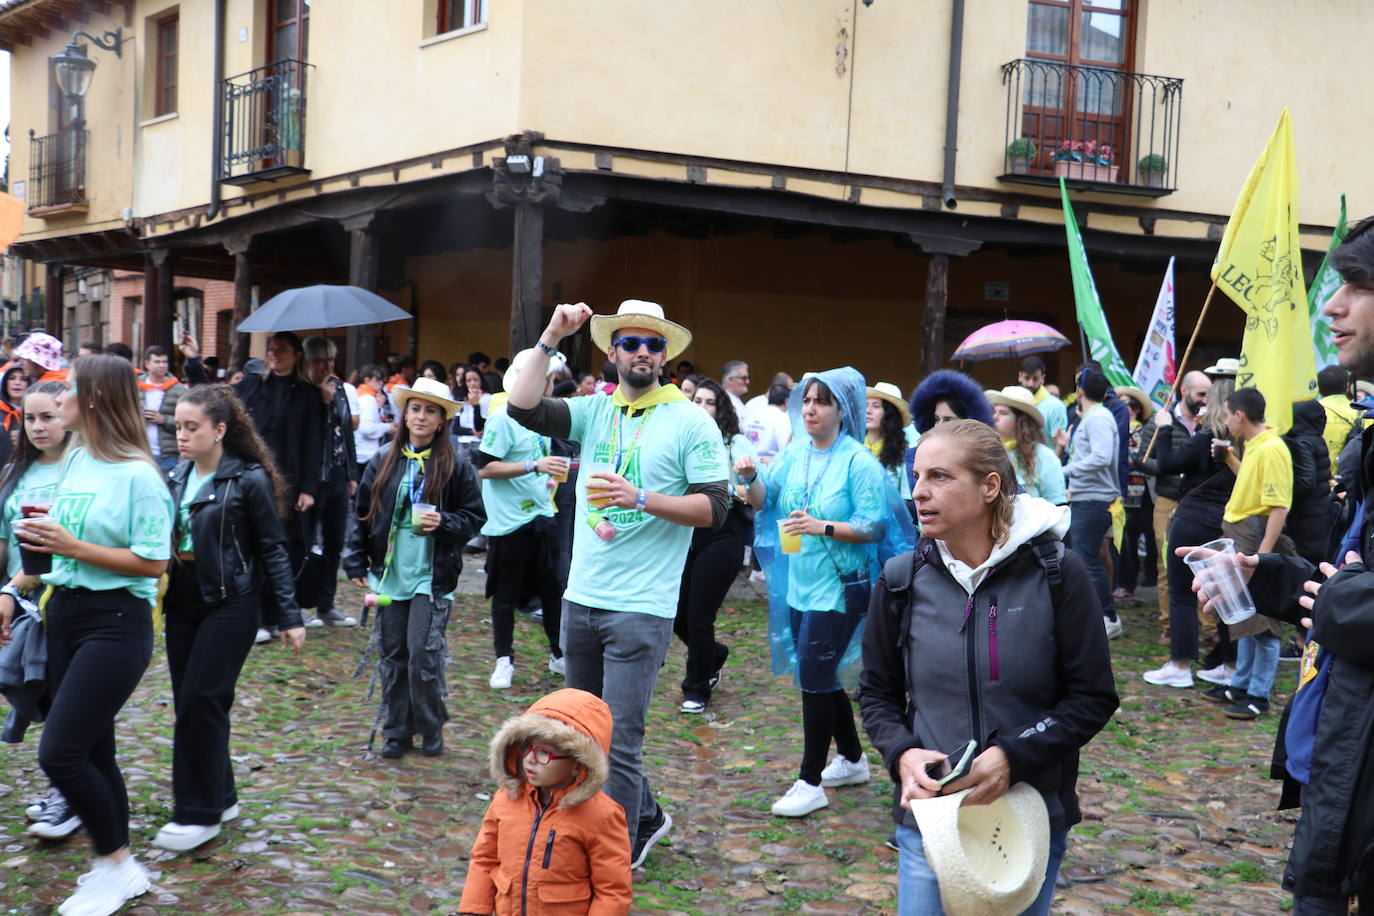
(124, 504)
(843, 483)
(663, 450)
(194, 483)
(512, 503)
(410, 569)
(37, 485)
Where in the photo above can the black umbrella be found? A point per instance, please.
(321, 307)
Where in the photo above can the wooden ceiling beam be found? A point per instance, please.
(31, 23)
(14, 34)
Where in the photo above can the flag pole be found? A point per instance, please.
(1182, 366)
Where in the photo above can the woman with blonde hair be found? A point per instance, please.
(1022, 428)
(943, 669)
(109, 534)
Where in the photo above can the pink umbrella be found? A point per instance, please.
(1010, 339)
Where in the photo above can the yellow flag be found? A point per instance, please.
(1259, 266)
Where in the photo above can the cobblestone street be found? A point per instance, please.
(1178, 812)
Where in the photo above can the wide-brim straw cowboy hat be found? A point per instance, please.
(1147, 407)
(886, 391)
(638, 313)
(989, 860)
(1225, 366)
(427, 389)
(519, 361)
(1017, 398)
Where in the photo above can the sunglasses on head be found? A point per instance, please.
(631, 344)
(543, 755)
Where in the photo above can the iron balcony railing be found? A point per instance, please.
(264, 123)
(1095, 126)
(57, 169)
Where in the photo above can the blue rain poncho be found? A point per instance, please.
(842, 483)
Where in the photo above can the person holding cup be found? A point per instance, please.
(519, 474)
(417, 506)
(828, 519)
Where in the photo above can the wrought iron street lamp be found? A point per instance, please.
(74, 69)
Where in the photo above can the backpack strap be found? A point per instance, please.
(900, 575)
(1049, 552)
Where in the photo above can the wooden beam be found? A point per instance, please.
(15, 34)
(31, 23)
(243, 293)
(933, 322)
(96, 6)
(52, 300)
(527, 276)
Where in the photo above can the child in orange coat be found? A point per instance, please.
(551, 840)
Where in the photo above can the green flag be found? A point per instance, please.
(1091, 321)
(1324, 285)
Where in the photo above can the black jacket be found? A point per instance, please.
(461, 516)
(1040, 697)
(294, 431)
(1333, 844)
(339, 456)
(1313, 512)
(237, 537)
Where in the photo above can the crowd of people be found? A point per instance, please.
(942, 557)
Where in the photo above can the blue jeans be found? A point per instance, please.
(617, 655)
(1257, 661)
(1089, 522)
(918, 893)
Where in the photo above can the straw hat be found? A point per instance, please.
(886, 391)
(637, 313)
(1147, 407)
(427, 389)
(1225, 366)
(518, 362)
(988, 859)
(1017, 398)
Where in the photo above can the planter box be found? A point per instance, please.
(1087, 171)
(1153, 179)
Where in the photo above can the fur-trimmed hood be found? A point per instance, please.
(575, 720)
(948, 385)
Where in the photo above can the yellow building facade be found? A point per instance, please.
(805, 184)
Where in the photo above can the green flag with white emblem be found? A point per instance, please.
(1324, 286)
(1093, 323)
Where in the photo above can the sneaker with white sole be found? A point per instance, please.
(1169, 676)
(311, 621)
(229, 813)
(185, 837)
(693, 707)
(557, 667)
(58, 822)
(104, 890)
(661, 825)
(333, 617)
(35, 811)
(844, 772)
(503, 674)
(800, 800)
(1220, 675)
(262, 636)
(1113, 626)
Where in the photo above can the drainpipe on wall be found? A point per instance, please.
(956, 57)
(217, 109)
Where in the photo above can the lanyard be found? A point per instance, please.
(809, 485)
(621, 452)
(414, 482)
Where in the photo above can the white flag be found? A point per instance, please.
(1154, 372)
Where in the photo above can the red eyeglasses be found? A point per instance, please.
(543, 755)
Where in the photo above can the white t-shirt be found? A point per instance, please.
(152, 400)
(739, 404)
(756, 403)
(770, 429)
(371, 428)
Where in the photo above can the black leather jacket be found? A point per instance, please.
(237, 537)
(460, 512)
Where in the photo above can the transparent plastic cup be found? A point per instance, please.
(791, 543)
(1216, 567)
(417, 510)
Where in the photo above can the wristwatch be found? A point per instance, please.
(829, 530)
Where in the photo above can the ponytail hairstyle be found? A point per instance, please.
(893, 431)
(438, 469)
(980, 450)
(112, 424)
(26, 453)
(221, 405)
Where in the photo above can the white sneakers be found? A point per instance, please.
(557, 667)
(1169, 676)
(843, 772)
(185, 837)
(262, 636)
(1113, 626)
(800, 800)
(504, 673)
(693, 707)
(106, 888)
(1221, 674)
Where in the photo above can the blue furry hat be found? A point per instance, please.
(964, 395)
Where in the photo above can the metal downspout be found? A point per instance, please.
(217, 109)
(956, 57)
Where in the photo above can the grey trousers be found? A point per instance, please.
(410, 669)
(617, 655)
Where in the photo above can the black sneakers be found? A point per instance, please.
(1223, 695)
(1248, 708)
(662, 823)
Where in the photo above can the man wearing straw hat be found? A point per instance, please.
(653, 468)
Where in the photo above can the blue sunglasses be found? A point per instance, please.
(632, 344)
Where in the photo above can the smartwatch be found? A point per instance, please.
(829, 530)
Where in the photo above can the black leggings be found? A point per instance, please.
(712, 564)
(826, 716)
(520, 564)
(206, 649)
(99, 644)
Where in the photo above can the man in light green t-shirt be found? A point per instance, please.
(653, 468)
(518, 473)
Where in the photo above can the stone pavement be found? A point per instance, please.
(1178, 812)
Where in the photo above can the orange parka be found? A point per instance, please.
(571, 856)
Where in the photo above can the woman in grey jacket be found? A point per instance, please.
(942, 667)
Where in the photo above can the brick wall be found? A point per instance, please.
(120, 313)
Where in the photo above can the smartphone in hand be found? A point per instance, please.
(953, 767)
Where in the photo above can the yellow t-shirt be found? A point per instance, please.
(1265, 480)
